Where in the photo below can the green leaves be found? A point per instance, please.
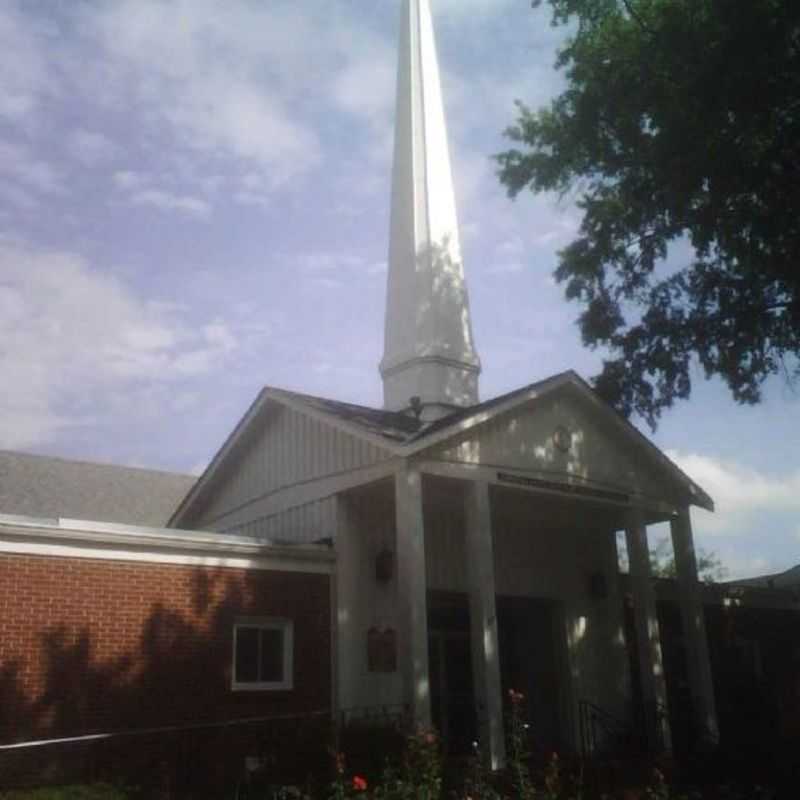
(680, 125)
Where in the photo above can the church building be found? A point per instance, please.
(421, 559)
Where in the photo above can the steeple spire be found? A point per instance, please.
(428, 346)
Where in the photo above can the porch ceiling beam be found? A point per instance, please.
(656, 510)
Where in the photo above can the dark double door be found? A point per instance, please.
(528, 663)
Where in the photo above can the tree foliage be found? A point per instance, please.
(679, 130)
(710, 568)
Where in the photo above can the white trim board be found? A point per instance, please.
(83, 539)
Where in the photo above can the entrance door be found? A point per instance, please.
(529, 663)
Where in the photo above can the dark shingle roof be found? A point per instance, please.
(41, 486)
(393, 425)
(403, 427)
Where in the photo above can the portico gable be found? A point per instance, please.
(563, 439)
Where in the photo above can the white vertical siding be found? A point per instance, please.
(523, 441)
(302, 524)
(283, 448)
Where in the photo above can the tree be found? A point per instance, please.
(710, 568)
(680, 125)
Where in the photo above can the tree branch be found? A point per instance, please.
(635, 16)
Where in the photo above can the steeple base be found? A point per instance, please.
(442, 386)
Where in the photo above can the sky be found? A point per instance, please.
(194, 201)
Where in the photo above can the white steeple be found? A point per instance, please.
(428, 346)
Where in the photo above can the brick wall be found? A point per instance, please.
(91, 645)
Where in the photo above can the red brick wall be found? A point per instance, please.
(91, 645)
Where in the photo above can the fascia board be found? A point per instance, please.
(220, 456)
(153, 540)
(242, 428)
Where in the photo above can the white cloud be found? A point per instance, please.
(741, 494)
(18, 163)
(91, 148)
(23, 75)
(209, 74)
(73, 340)
(219, 335)
(129, 180)
(167, 201)
(140, 192)
(365, 84)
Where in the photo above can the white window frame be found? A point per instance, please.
(286, 626)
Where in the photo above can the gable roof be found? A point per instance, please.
(404, 435)
(42, 486)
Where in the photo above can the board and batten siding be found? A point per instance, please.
(285, 448)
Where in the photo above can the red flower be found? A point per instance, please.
(359, 784)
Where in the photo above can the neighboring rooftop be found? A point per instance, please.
(790, 579)
(42, 486)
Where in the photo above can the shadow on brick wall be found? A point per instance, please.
(159, 679)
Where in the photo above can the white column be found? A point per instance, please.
(483, 622)
(412, 589)
(694, 629)
(651, 669)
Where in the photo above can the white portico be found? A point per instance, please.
(507, 516)
(475, 541)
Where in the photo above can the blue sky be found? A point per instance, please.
(194, 203)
